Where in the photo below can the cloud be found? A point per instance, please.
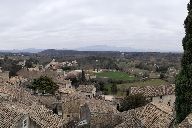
(142, 24)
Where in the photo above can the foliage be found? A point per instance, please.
(83, 79)
(44, 84)
(143, 66)
(69, 68)
(29, 63)
(114, 89)
(184, 79)
(10, 65)
(162, 69)
(154, 82)
(132, 102)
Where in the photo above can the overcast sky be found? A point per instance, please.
(141, 24)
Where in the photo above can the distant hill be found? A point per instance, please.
(108, 48)
(28, 50)
(59, 53)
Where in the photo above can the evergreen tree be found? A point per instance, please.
(114, 88)
(83, 79)
(184, 79)
(44, 84)
(132, 102)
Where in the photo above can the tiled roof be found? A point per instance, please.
(9, 117)
(18, 93)
(130, 120)
(150, 116)
(44, 117)
(152, 91)
(48, 101)
(86, 88)
(67, 90)
(100, 106)
(39, 114)
(155, 116)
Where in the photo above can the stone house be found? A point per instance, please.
(150, 116)
(17, 115)
(10, 118)
(129, 120)
(52, 65)
(4, 76)
(65, 84)
(109, 98)
(158, 94)
(138, 72)
(27, 108)
(22, 63)
(87, 90)
(34, 69)
(98, 114)
(154, 75)
(71, 106)
(90, 76)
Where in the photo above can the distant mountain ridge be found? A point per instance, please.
(108, 48)
(98, 48)
(28, 50)
(62, 53)
(87, 48)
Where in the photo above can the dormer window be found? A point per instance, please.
(24, 123)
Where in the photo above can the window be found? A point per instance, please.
(25, 123)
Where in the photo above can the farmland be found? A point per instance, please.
(115, 75)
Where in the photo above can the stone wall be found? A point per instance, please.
(167, 99)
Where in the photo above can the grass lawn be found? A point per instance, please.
(116, 75)
(153, 82)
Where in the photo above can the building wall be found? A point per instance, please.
(4, 76)
(98, 119)
(89, 95)
(94, 91)
(26, 122)
(33, 124)
(85, 113)
(95, 120)
(168, 100)
(21, 123)
(71, 110)
(68, 85)
(101, 120)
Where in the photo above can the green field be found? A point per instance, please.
(129, 82)
(153, 82)
(123, 87)
(115, 75)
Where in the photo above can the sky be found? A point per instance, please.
(70, 24)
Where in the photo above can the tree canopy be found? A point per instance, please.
(132, 102)
(44, 84)
(184, 79)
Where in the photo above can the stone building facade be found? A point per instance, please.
(4, 76)
(150, 116)
(158, 94)
(87, 90)
(99, 114)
